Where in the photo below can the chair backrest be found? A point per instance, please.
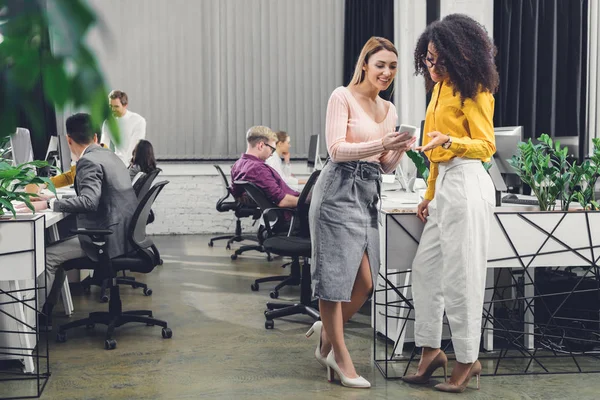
(257, 195)
(137, 229)
(300, 224)
(301, 227)
(22, 151)
(143, 184)
(227, 188)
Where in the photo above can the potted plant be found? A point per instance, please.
(547, 170)
(13, 180)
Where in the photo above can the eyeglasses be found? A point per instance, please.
(429, 63)
(271, 147)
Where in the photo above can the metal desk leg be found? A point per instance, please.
(402, 314)
(25, 337)
(529, 318)
(67, 299)
(488, 332)
(66, 291)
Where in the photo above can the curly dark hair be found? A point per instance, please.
(465, 52)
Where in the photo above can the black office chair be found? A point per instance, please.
(141, 187)
(142, 259)
(295, 245)
(278, 225)
(240, 210)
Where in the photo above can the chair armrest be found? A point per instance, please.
(278, 210)
(91, 232)
(98, 236)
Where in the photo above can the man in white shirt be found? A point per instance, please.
(283, 168)
(132, 127)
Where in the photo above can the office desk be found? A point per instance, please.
(52, 218)
(400, 232)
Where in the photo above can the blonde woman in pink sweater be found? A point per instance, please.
(344, 208)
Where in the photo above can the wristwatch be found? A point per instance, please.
(448, 143)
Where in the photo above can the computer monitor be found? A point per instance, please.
(571, 143)
(20, 143)
(507, 141)
(52, 151)
(64, 153)
(314, 160)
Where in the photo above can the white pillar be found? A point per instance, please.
(481, 11)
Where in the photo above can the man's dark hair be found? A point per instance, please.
(118, 94)
(464, 51)
(80, 129)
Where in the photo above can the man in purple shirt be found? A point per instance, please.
(251, 167)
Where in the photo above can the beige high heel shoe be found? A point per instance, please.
(316, 328)
(452, 388)
(440, 360)
(333, 368)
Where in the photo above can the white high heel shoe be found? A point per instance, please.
(316, 328)
(333, 368)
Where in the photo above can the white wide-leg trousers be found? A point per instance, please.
(449, 269)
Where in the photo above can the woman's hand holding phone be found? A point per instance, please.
(401, 141)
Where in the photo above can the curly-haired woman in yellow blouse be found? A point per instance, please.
(456, 57)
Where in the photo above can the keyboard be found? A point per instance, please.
(526, 202)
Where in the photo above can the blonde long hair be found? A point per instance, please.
(373, 45)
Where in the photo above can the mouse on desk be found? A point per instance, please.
(510, 196)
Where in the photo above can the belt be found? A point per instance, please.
(367, 171)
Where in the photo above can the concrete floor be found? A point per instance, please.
(221, 350)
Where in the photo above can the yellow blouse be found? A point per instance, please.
(470, 126)
(66, 179)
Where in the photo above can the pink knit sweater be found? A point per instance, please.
(353, 135)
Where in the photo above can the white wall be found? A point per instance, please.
(411, 17)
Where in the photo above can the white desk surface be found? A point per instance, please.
(398, 201)
(53, 217)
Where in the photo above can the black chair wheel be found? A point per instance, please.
(87, 289)
(269, 324)
(147, 292)
(274, 294)
(266, 312)
(161, 262)
(254, 287)
(269, 258)
(90, 326)
(234, 256)
(167, 333)
(61, 337)
(104, 298)
(228, 247)
(110, 344)
(211, 244)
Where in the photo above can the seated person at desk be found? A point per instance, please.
(284, 169)
(142, 161)
(105, 200)
(251, 167)
(62, 180)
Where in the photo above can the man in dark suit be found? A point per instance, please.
(105, 200)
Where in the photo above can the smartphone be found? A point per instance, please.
(406, 128)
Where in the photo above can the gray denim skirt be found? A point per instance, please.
(343, 220)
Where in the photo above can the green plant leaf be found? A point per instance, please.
(7, 204)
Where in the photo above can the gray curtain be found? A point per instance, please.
(202, 72)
